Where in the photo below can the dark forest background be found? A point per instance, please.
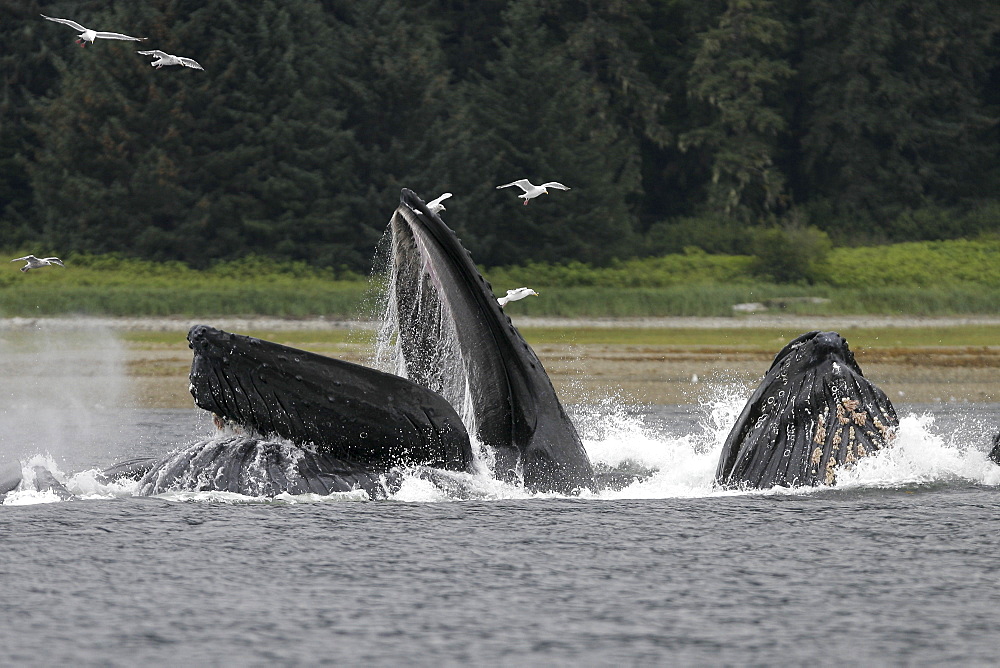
(677, 123)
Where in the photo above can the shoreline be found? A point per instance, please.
(802, 322)
(647, 372)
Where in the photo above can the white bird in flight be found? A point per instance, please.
(37, 262)
(168, 59)
(436, 206)
(87, 35)
(515, 294)
(531, 191)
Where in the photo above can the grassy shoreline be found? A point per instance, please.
(357, 300)
(918, 279)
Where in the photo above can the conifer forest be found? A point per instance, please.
(677, 124)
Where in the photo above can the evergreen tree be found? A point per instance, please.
(537, 115)
(247, 156)
(27, 75)
(895, 115)
(741, 75)
(395, 87)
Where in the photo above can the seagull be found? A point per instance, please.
(167, 59)
(531, 191)
(436, 206)
(88, 35)
(35, 262)
(515, 294)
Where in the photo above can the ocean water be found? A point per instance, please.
(897, 564)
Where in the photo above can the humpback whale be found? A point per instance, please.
(349, 411)
(255, 466)
(813, 412)
(40, 480)
(345, 426)
(439, 296)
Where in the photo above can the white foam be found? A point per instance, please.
(30, 497)
(420, 491)
(920, 455)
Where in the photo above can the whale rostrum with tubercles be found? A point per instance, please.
(813, 413)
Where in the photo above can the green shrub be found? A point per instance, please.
(791, 254)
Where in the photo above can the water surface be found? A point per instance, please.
(895, 565)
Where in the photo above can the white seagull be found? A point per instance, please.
(37, 262)
(531, 191)
(87, 35)
(515, 294)
(436, 206)
(168, 59)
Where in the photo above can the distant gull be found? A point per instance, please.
(88, 35)
(168, 59)
(530, 191)
(35, 262)
(436, 206)
(515, 294)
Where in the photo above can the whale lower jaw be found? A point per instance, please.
(257, 467)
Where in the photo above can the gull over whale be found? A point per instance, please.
(302, 422)
(813, 412)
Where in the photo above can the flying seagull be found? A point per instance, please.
(35, 262)
(530, 191)
(515, 294)
(87, 35)
(436, 206)
(167, 59)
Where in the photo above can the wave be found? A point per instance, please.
(679, 465)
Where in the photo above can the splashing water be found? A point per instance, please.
(72, 391)
(681, 448)
(412, 292)
(66, 391)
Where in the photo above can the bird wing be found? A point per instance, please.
(118, 35)
(523, 184)
(26, 258)
(154, 52)
(71, 24)
(54, 260)
(438, 200)
(556, 185)
(189, 62)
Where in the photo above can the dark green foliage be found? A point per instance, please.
(677, 124)
(28, 74)
(896, 109)
(791, 254)
(713, 233)
(537, 114)
(247, 156)
(740, 76)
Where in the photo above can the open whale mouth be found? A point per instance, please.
(454, 338)
(455, 343)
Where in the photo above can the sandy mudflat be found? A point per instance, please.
(648, 374)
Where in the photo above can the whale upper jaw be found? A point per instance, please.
(516, 410)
